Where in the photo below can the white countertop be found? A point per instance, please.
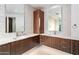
(62, 36)
(8, 40)
(5, 40)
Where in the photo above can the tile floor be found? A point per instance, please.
(44, 50)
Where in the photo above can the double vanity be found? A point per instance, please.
(24, 19)
(21, 44)
(66, 44)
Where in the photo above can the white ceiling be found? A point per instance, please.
(41, 6)
(14, 8)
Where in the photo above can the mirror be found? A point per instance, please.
(14, 18)
(54, 21)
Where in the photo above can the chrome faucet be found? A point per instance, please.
(55, 32)
(17, 34)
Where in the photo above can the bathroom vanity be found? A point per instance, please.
(66, 44)
(25, 43)
(19, 45)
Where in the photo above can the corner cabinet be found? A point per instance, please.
(38, 21)
(45, 40)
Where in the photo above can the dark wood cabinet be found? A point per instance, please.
(58, 43)
(36, 40)
(66, 45)
(61, 44)
(21, 46)
(45, 40)
(5, 49)
(75, 47)
(16, 47)
(38, 21)
(13, 48)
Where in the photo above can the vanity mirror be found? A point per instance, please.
(54, 19)
(14, 18)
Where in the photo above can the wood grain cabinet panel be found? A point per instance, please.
(66, 45)
(16, 47)
(5, 49)
(27, 44)
(53, 40)
(75, 47)
(48, 41)
(45, 40)
(61, 44)
(38, 21)
(36, 40)
(19, 47)
(42, 39)
(13, 48)
(58, 43)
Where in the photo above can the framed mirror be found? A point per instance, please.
(14, 18)
(54, 20)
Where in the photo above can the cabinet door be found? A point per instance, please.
(61, 44)
(13, 48)
(16, 48)
(19, 49)
(27, 44)
(53, 40)
(75, 47)
(66, 45)
(48, 41)
(45, 40)
(56, 43)
(42, 39)
(38, 21)
(41, 15)
(36, 40)
(5, 49)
